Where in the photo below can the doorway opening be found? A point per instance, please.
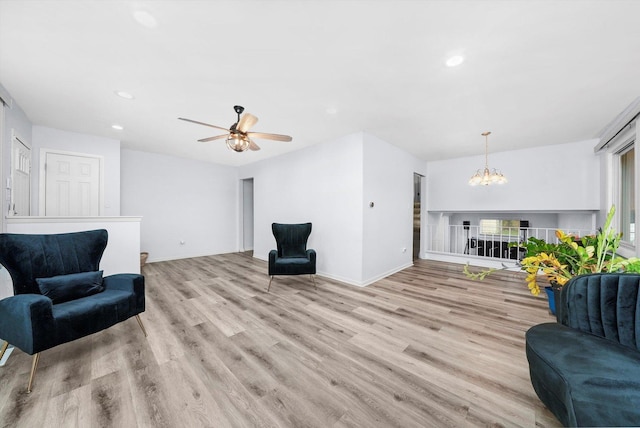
(247, 214)
(417, 213)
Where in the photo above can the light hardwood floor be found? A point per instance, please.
(424, 347)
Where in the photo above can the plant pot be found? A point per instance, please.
(143, 258)
(551, 297)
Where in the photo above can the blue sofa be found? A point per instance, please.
(586, 367)
(59, 292)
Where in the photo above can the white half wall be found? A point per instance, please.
(189, 208)
(388, 225)
(322, 184)
(73, 142)
(122, 254)
(549, 178)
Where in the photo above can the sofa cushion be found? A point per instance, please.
(584, 379)
(81, 317)
(63, 288)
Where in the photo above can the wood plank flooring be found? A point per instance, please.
(425, 347)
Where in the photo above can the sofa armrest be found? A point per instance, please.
(26, 321)
(125, 282)
(131, 282)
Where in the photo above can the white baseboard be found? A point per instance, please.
(480, 261)
(368, 281)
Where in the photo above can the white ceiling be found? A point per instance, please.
(535, 72)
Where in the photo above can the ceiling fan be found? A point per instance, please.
(238, 137)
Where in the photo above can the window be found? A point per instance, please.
(500, 227)
(627, 195)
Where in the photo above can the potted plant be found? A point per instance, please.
(570, 256)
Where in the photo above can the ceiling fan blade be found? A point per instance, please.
(253, 146)
(277, 137)
(205, 124)
(217, 137)
(246, 122)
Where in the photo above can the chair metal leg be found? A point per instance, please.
(313, 278)
(141, 325)
(34, 366)
(269, 287)
(3, 349)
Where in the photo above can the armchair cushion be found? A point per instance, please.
(294, 251)
(63, 288)
(81, 317)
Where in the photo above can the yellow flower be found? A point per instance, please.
(560, 234)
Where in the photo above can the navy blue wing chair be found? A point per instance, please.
(586, 367)
(292, 256)
(59, 292)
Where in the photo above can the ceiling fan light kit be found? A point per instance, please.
(237, 143)
(238, 137)
(486, 176)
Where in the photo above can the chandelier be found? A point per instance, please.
(486, 176)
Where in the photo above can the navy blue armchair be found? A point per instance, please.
(292, 256)
(60, 294)
(586, 367)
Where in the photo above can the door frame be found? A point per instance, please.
(43, 177)
(17, 139)
(246, 214)
(421, 180)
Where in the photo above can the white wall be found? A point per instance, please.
(65, 141)
(331, 185)
(180, 200)
(549, 178)
(322, 184)
(388, 225)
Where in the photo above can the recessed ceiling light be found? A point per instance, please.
(332, 110)
(145, 19)
(117, 127)
(454, 61)
(125, 95)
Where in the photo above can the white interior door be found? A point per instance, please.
(72, 185)
(20, 178)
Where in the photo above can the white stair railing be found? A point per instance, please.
(506, 245)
